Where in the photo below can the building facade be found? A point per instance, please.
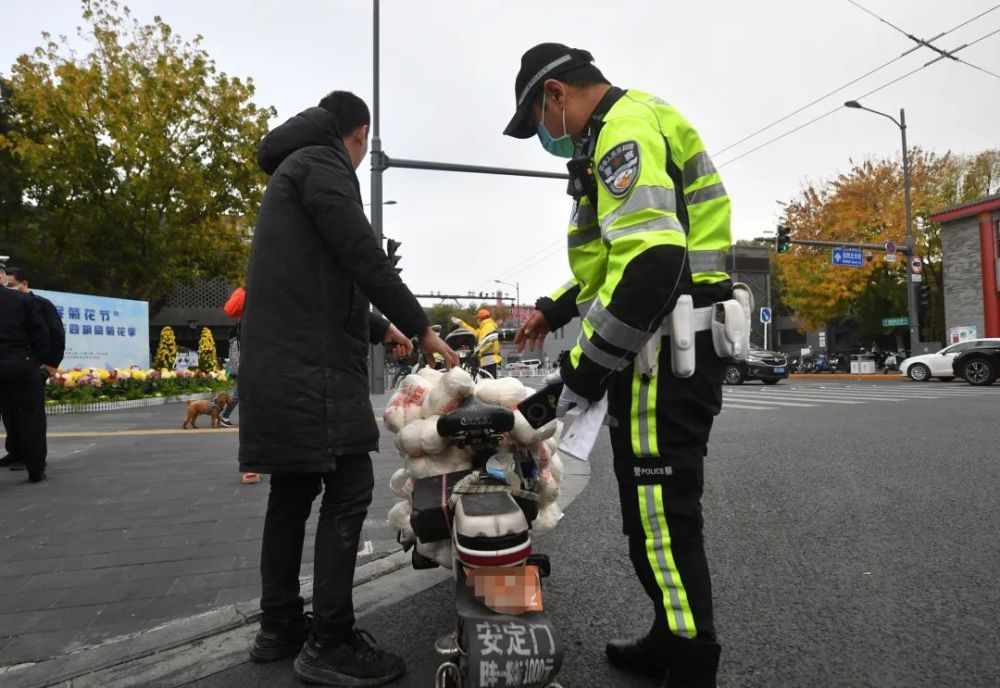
(970, 255)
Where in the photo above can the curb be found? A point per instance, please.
(187, 649)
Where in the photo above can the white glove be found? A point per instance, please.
(568, 399)
(455, 320)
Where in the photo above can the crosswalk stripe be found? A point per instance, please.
(790, 397)
(727, 405)
(833, 397)
(772, 403)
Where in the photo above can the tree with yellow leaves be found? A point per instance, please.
(867, 205)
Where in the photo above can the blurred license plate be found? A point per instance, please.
(779, 370)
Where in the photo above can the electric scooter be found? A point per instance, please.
(502, 638)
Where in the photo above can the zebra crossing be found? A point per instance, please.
(791, 396)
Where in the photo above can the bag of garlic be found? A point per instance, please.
(524, 462)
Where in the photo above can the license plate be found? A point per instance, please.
(779, 370)
(513, 590)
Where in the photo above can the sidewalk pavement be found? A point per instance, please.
(139, 522)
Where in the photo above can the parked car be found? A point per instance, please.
(769, 367)
(978, 365)
(925, 366)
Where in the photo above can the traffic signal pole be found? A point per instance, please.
(381, 162)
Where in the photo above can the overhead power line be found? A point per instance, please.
(839, 107)
(929, 43)
(840, 88)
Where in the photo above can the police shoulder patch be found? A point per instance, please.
(619, 168)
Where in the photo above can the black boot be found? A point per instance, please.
(637, 656)
(7, 460)
(357, 662)
(276, 641)
(693, 664)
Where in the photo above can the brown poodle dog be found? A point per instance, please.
(208, 407)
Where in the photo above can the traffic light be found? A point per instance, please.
(391, 247)
(782, 242)
(923, 302)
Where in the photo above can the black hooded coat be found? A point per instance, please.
(315, 267)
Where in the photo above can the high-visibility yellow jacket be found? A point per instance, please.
(661, 228)
(487, 341)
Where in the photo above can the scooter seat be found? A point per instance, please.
(491, 530)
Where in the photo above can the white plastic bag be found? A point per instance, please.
(405, 404)
(447, 395)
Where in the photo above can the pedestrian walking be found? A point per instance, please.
(24, 345)
(650, 224)
(306, 419)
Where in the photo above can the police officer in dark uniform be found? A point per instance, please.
(18, 279)
(24, 344)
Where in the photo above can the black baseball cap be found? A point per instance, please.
(544, 61)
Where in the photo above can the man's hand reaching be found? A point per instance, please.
(532, 333)
(431, 343)
(401, 344)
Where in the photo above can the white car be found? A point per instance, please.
(922, 368)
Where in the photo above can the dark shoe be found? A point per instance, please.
(637, 656)
(226, 422)
(17, 466)
(7, 460)
(280, 640)
(36, 477)
(695, 665)
(356, 663)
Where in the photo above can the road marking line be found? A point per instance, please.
(764, 401)
(727, 405)
(794, 397)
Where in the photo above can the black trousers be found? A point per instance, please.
(659, 443)
(22, 398)
(347, 492)
(491, 369)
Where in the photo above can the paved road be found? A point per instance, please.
(140, 522)
(852, 545)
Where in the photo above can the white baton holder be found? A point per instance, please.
(731, 324)
(682, 354)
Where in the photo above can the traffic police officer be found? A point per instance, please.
(650, 223)
(24, 344)
(487, 340)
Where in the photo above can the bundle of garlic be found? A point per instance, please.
(412, 414)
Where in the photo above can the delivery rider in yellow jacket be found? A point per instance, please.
(649, 233)
(487, 340)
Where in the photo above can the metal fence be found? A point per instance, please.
(61, 409)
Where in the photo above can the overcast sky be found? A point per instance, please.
(731, 66)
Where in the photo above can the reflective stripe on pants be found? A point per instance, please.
(659, 463)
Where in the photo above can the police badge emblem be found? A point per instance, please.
(619, 168)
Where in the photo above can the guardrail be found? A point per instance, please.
(60, 409)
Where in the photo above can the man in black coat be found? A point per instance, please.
(18, 279)
(306, 419)
(24, 342)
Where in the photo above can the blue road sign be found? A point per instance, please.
(850, 257)
(765, 314)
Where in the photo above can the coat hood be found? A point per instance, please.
(312, 127)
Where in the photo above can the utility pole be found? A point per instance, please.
(911, 286)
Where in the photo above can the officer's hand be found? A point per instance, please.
(532, 332)
(401, 344)
(568, 399)
(430, 343)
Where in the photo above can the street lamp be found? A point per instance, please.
(911, 299)
(517, 290)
